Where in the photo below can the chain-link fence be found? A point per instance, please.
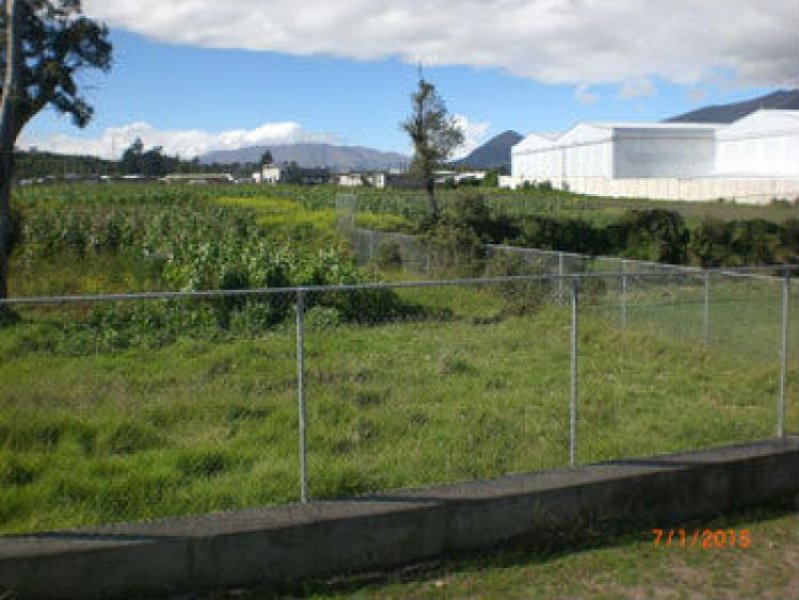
(140, 406)
(416, 254)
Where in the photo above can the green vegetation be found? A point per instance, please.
(622, 566)
(434, 135)
(701, 234)
(536, 202)
(49, 44)
(133, 410)
(653, 234)
(201, 424)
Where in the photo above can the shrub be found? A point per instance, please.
(388, 255)
(752, 242)
(658, 235)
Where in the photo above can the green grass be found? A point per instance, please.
(623, 566)
(203, 425)
(292, 221)
(413, 204)
(474, 383)
(185, 429)
(69, 275)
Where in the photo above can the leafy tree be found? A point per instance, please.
(154, 163)
(266, 158)
(434, 133)
(150, 163)
(291, 173)
(45, 44)
(131, 157)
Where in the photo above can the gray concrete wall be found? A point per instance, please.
(287, 544)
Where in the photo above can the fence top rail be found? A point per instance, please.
(254, 292)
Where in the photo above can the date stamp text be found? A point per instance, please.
(702, 538)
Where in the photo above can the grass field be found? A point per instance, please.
(127, 415)
(412, 204)
(210, 424)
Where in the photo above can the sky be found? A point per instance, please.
(199, 75)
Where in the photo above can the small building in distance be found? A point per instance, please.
(269, 174)
(199, 178)
(751, 160)
(375, 180)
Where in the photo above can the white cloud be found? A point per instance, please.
(637, 88)
(473, 135)
(187, 143)
(553, 41)
(583, 96)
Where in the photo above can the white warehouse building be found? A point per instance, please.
(763, 144)
(754, 159)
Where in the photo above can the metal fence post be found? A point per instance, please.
(301, 395)
(623, 293)
(574, 374)
(786, 295)
(560, 277)
(707, 310)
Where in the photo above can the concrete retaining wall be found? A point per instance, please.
(287, 544)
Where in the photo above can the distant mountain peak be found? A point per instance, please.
(494, 153)
(335, 158)
(728, 113)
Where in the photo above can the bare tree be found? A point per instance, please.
(434, 133)
(44, 45)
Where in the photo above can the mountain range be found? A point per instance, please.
(727, 113)
(494, 153)
(336, 158)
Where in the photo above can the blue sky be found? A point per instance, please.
(192, 79)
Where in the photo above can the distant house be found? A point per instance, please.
(470, 177)
(458, 177)
(270, 173)
(350, 180)
(444, 176)
(375, 180)
(199, 178)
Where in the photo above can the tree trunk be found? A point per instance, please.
(430, 186)
(9, 129)
(6, 173)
